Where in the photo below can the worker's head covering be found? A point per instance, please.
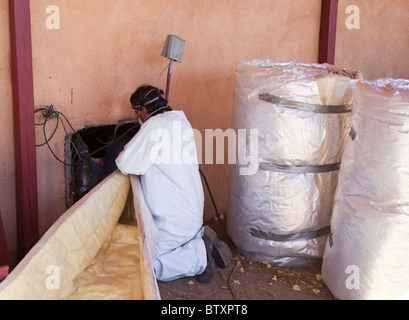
(149, 97)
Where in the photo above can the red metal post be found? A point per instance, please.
(328, 31)
(4, 255)
(24, 126)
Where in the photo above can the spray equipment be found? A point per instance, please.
(82, 148)
(173, 50)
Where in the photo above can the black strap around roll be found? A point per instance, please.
(353, 134)
(299, 169)
(316, 108)
(305, 235)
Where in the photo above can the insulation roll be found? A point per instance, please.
(367, 254)
(301, 112)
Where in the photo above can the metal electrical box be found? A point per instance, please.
(174, 47)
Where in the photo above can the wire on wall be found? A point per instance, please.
(49, 114)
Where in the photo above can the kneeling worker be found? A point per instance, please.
(172, 190)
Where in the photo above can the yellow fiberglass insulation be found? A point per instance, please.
(115, 272)
(101, 248)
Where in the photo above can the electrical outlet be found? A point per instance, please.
(174, 48)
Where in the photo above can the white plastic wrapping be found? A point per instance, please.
(294, 207)
(367, 255)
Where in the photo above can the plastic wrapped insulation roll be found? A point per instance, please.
(367, 254)
(301, 112)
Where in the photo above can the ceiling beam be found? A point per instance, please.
(24, 126)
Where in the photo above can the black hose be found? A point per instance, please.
(214, 205)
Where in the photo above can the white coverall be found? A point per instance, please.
(164, 154)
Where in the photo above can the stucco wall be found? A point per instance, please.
(380, 48)
(104, 49)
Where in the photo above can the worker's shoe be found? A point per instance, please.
(221, 251)
(207, 276)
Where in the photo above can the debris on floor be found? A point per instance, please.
(250, 280)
